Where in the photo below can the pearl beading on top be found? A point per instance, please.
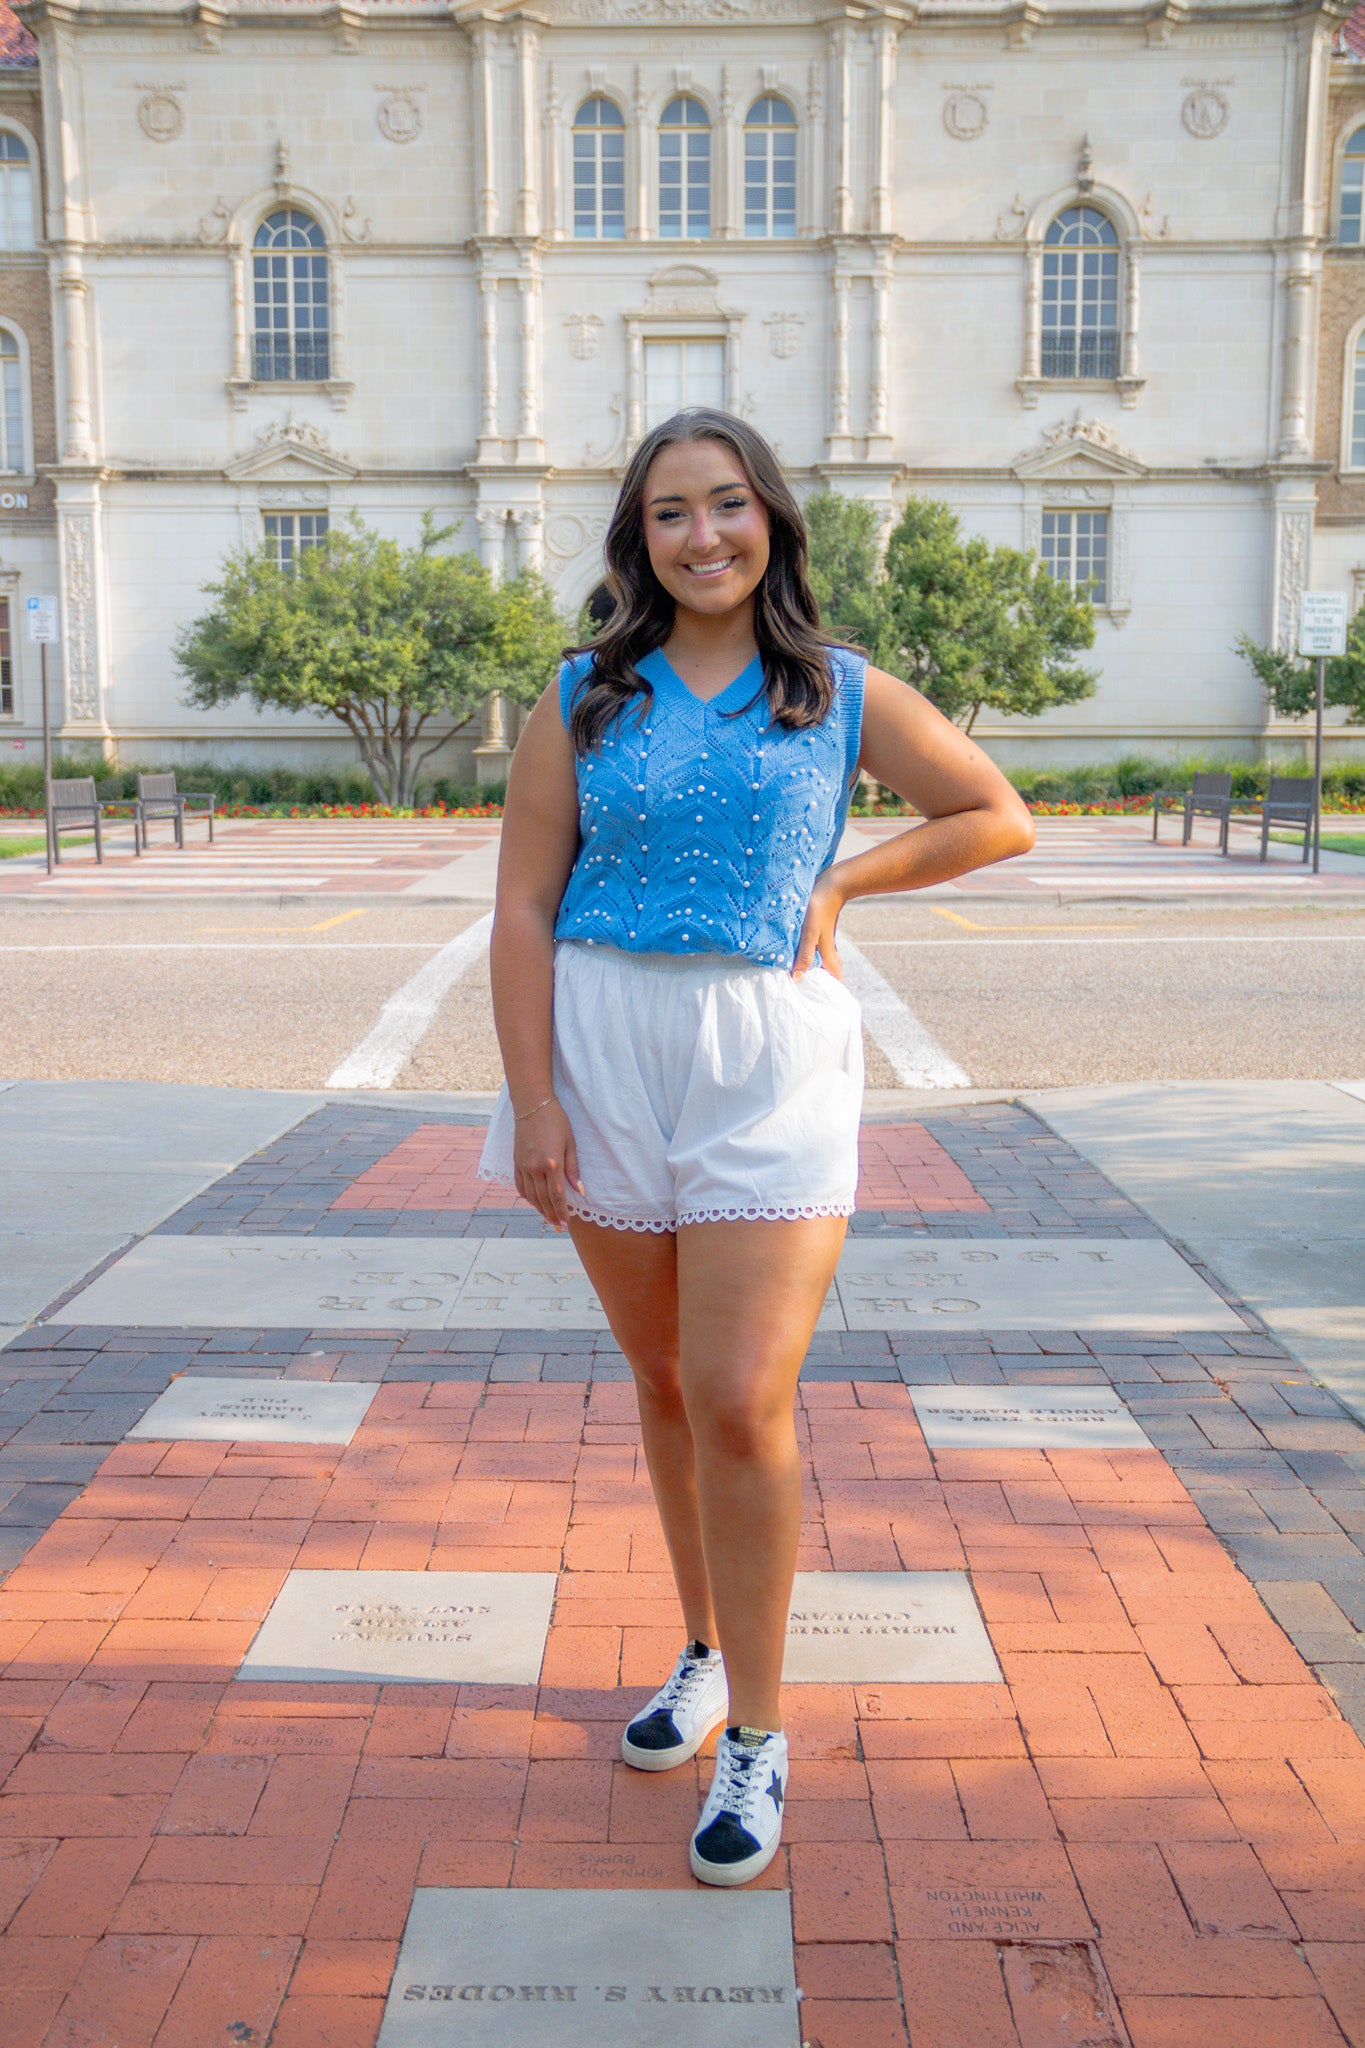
(705, 826)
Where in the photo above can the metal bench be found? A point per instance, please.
(75, 804)
(1209, 797)
(1288, 802)
(158, 797)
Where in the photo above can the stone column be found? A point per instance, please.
(1298, 354)
(642, 140)
(554, 136)
(492, 753)
(635, 385)
(84, 650)
(841, 59)
(884, 42)
(879, 398)
(529, 447)
(485, 92)
(528, 122)
(530, 525)
(490, 440)
(726, 219)
(813, 178)
(78, 429)
(840, 446)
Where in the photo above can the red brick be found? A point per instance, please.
(1157, 2022)
(169, 1720)
(1339, 1968)
(491, 1732)
(632, 1866)
(937, 1890)
(92, 1716)
(1266, 1801)
(328, 2023)
(36, 1818)
(238, 1909)
(1301, 1742)
(216, 1795)
(1003, 1800)
(1143, 1820)
(839, 1892)
(304, 1795)
(1278, 1703)
(566, 1802)
(80, 1888)
(37, 1976)
(55, 1773)
(400, 1730)
(170, 1592)
(846, 1970)
(21, 1865)
(865, 2025)
(120, 1997)
(1338, 1792)
(344, 1969)
(1225, 1890)
(1150, 1947)
(955, 1995)
(368, 1887)
(231, 1992)
(1060, 1993)
(238, 1859)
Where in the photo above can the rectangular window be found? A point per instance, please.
(679, 373)
(289, 533)
(599, 183)
(6, 662)
(1358, 407)
(1076, 551)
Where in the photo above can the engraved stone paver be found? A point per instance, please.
(448, 1283)
(227, 1411)
(593, 1969)
(1025, 1418)
(883, 1628)
(405, 1628)
(1042, 1285)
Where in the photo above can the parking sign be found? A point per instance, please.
(41, 613)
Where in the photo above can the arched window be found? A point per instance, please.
(16, 192)
(1354, 438)
(1352, 189)
(684, 169)
(770, 168)
(1081, 295)
(11, 404)
(289, 273)
(599, 171)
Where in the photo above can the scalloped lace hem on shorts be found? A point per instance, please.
(771, 1212)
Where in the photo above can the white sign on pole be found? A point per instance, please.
(1322, 622)
(41, 613)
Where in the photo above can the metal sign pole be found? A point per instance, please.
(47, 756)
(1317, 760)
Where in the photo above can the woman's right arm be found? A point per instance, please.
(539, 846)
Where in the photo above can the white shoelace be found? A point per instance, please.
(690, 1673)
(739, 1782)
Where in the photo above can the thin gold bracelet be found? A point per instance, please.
(531, 1112)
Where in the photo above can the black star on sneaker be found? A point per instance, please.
(777, 1791)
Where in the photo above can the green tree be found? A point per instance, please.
(1290, 681)
(968, 624)
(393, 641)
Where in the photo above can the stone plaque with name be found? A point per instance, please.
(906, 1628)
(257, 1411)
(594, 1969)
(416, 1628)
(1029, 1418)
(1026, 1284)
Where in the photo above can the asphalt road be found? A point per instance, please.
(1022, 995)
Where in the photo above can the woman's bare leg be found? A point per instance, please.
(749, 1295)
(635, 1274)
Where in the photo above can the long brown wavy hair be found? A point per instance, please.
(796, 672)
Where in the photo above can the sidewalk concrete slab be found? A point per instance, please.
(404, 1628)
(1262, 1180)
(85, 1166)
(472, 878)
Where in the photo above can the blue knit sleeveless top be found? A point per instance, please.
(703, 826)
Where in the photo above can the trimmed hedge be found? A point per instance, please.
(238, 784)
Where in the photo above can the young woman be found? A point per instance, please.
(684, 1064)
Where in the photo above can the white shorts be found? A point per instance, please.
(700, 1089)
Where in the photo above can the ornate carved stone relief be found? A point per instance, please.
(82, 679)
(965, 115)
(400, 116)
(784, 334)
(160, 114)
(1296, 531)
(585, 332)
(1205, 112)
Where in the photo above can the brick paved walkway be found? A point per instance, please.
(1152, 1833)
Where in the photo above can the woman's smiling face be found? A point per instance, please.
(705, 526)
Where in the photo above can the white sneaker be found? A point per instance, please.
(681, 1714)
(741, 1823)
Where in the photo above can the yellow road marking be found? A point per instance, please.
(325, 926)
(967, 924)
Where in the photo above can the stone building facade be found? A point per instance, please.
(1059, 264)
(28, 448)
